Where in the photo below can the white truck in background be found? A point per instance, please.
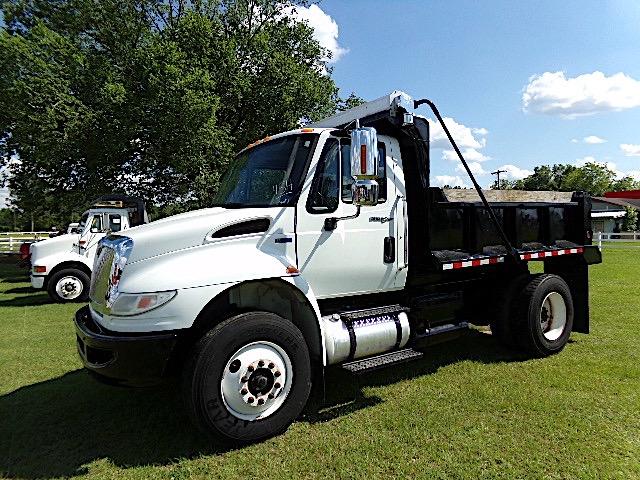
(62, 264)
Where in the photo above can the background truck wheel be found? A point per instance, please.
(502, 310)
(248, 378)
(69, 285)
(544, 316)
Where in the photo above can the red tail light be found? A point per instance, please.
(24, 251)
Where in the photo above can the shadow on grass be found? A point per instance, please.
(19, 290)
(26, 301)
(56, 427)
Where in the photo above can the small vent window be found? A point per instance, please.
(244, 228)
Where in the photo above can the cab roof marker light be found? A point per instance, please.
(306, 130)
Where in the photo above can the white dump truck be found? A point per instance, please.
(62, 264)
(327, 247)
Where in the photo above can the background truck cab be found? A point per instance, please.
(62, 264)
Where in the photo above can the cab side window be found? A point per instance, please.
(96, 223)
(115, 224)
(323, 197)
(347, 179)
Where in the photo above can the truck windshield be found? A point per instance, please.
(267, 175)
(83, 222)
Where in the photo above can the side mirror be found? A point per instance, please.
(365, 192)
(364, 153)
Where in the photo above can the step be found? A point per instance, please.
(380, 361)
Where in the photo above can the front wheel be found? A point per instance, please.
(248, 378)
(68, 285)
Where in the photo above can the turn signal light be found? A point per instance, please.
(292, 269)
(39, 269)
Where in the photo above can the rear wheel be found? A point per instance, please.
(69, 285)
(544, 317)
(248, 378)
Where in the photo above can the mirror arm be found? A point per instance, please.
(331, 223)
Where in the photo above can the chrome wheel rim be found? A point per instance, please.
(69, 287)
(256, 380)
(553, 316)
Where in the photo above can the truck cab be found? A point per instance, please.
(327, 248)
(62, 264)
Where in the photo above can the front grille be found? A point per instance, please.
(100, 277)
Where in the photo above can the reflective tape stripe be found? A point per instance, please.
(478, 262)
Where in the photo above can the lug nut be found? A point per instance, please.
(276, 385)
(261, 363)
(250, 399)
(250, 368)
(271, 365)
(244, 391)
(260, 401)
(276, 374)
(270, 395)
(244, 379)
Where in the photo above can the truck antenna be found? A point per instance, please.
(510, 250)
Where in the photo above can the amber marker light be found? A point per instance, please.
(39, 269)
(363, 159)
(292, 269)
(307, 130)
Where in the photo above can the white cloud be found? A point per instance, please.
(325, 28)
(464, 136)
(452, 181)
(470, 140)
(469, 154)
(553, 93)
(575, 140)
(593, 139)
(515, 173)
(475, 167)
(630, 150)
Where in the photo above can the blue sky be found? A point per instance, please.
(476, 59)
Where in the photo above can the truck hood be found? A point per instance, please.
(61, 244)
(189, 229)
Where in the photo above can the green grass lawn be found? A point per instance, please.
(471, 409)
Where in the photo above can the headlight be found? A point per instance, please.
(135, 303)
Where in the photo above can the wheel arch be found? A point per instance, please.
(283, 297)
(68, 264)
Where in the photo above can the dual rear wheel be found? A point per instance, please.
(534, 314)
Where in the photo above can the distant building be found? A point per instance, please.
(610, 209)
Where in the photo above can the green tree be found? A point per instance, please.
(593, 178)
(630, 220)
(147, 97)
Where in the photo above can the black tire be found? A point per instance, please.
(203, 373)
(502, 309)
(528, 326)
(72, 273)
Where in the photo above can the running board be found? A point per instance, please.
(380, 361)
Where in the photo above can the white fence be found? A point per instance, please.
(10, 241)
(616, 237)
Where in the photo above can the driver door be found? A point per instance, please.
(361, 255)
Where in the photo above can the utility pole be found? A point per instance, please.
(498, 172)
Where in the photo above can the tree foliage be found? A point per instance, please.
(630, 220)
(147, 97)
(593, 178)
